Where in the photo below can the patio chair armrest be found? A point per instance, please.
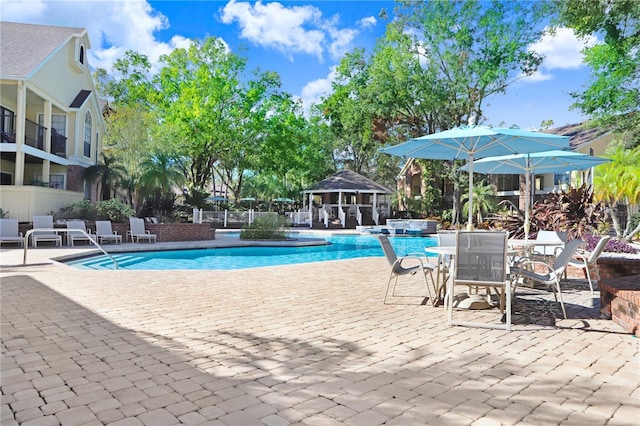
(421, 258)
(581, 255)
(523, 263)
(417, 254)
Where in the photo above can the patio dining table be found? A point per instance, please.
(528, 245)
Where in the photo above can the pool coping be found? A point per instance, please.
(224, 242)
(77, 252)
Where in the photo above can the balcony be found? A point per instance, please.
(34, 136)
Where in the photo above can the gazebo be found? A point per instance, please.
(348, 196)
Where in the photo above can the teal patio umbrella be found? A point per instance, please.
(250, 200)
(475, 142)
(534, 163)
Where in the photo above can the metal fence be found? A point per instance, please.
(236, 219)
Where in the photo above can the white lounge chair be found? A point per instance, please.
(397, 269)
(72, 237)
(105, 233)
(138, 232)
(10, 233)
(48, 234)
(549, 275)
(585, 260)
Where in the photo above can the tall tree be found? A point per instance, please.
(213, 109)
(129, 139)
(350, 111)
(475, 49)
(613, 95)
(440, 61)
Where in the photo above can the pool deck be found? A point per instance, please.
(308, 344)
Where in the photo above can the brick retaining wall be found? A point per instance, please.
(164, 231)
(173, 231)
(613, 267)
(620, 302)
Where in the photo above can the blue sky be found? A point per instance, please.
(301, 40)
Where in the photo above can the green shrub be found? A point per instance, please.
(78, 210)
(269, 227)
(113, 210)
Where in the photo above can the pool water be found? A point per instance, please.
(340, 247)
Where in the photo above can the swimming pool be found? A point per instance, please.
(340, 247)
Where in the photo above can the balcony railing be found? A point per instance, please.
(34, 136)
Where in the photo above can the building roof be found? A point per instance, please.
(80, 98)
(579, 133)
(23, 47)
(347, 181)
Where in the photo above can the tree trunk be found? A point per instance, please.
(455, 218)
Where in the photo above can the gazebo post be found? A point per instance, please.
(310, 209)
(375, 208)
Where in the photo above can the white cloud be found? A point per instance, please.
(273, 25)
(340, 41)
(561, 50)
(314, 91)
(297, 29)
(114, 27)
(368, 22)
(538, 76)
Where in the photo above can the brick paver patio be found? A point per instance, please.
(308, 344)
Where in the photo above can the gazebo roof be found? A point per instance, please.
(348, 181)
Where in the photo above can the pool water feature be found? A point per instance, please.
(339, 247)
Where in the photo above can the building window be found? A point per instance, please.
(56, 181)
(508, 182)
(81, 55)
(7, 125)
(87, 189)
(87, 134)
(58, 122)
(5, 178)
(562, 178)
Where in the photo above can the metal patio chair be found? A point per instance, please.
(418, 262)
(481, 261)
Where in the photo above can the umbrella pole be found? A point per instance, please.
(470, 218)
(527, 225)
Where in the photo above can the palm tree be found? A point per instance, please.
(110, 173)
(483, 201)
(618, 182)
(160, 173)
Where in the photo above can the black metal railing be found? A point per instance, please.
(34, 137)
(58, 144)
(34, 134)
